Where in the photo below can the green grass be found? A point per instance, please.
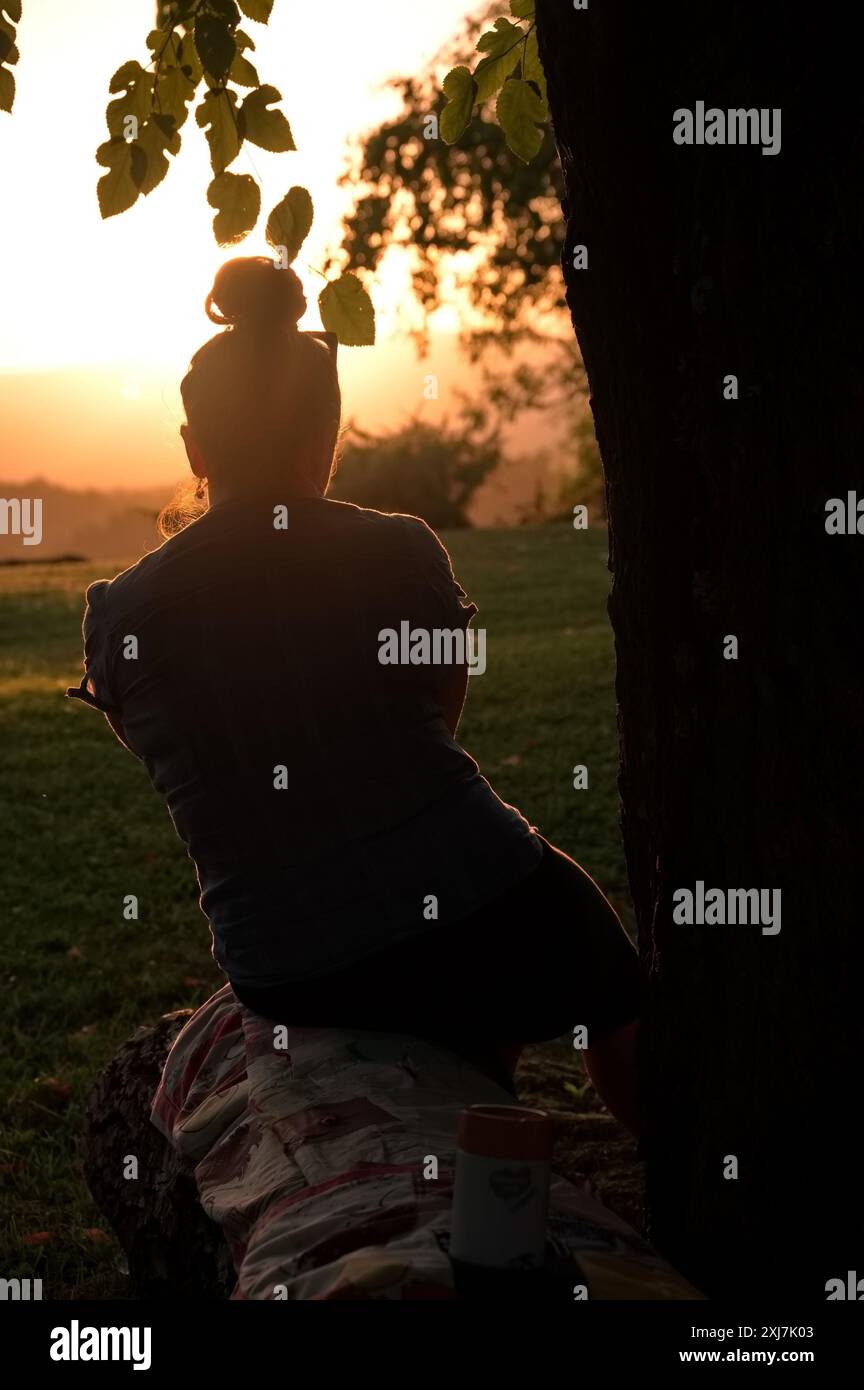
(81, 827)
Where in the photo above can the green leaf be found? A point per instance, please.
(164, 47)
(126, 76)
(215, 45)
(119, 188)
(218, 112)
(168, 127)
(243, 73)
(347, 311)
(518, 108)
(289, 222)
(269, 129)
(7, 89)
(8, 51)
(259, 10)
(189, 60)
(243, 41)
(460, 89)
(522, 9)
(228, 10)
(174, 91)
(137, 87)
(532, 68)
(154, 140)
(502, 46)
(238, 198)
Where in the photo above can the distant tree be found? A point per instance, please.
(432, 471)
(476, 213)
(475, 198)
(586, 484)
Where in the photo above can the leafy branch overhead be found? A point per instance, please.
(509, 68)
(198, 54)
(10, 15)
(471, 218)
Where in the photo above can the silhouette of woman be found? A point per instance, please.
(355, 867)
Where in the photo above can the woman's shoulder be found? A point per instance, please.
(96, 592)
(399, 526)
(350, 513)
(104, 595)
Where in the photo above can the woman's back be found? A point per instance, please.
(319, 791)
(277, 669)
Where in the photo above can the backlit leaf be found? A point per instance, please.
(519, 108)
(127, 167)
(243, 73)
(347, 311)
(189, 60)
(502, 46)
(136, 86)
(174, 91)
(13, 9)
(7, 89)
(217, 114)
(289, 222)
(263, 127)
(496, 41)
(228, 11)
(522, 9)
(460, 89)
(126, 76)
(532, 68)
(164, 47)
(259, 10)
(238, 198)
(215, 45)
(8, 50)
(157, 139)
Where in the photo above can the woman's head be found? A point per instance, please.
(261, 398)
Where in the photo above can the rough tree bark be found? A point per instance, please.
(173, 1249)
(705, 261)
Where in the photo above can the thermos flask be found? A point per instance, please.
(501, 1189)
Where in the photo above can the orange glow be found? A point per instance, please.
(125, 296)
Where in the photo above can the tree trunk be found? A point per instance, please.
(174, 1250)
(704, 261)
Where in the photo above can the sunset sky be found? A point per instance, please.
(123, 299)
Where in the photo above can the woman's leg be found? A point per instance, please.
(584, 970)
(548, 957)
(611, 1065)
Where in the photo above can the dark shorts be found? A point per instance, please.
(547, 956)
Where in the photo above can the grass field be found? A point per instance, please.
(81, 828)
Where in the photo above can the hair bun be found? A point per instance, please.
(252, 292)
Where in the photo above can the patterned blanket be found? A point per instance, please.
(327, 1157)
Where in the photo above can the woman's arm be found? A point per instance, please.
(88, 696)
(445, 609)
(114, 721)
(98, 694)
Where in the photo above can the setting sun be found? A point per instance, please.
(78, 290)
